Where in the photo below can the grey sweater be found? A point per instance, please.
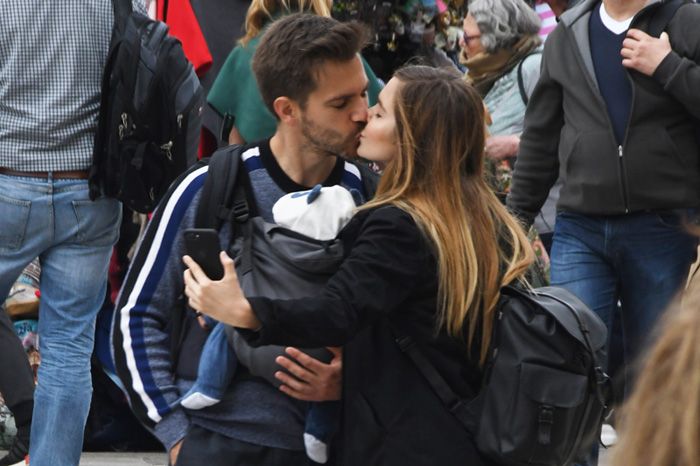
(568, 132)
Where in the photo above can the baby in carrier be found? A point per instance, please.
(303, 237)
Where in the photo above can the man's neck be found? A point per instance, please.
(621, 10)
(305, 168)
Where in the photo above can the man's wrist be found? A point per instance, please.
(251, 320)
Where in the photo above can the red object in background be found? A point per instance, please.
(180, 17)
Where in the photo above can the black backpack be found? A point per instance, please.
(150, 113)
(544, 393)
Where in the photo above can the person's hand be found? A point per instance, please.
(174, 453)
(502, 147)
(644, 53)
(312, 380)
(221, 299)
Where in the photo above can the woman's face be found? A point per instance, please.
(471, 37)
(378, 140)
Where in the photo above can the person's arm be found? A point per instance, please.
(502, 146)
(385, 266)
(537, 166)
(679, 75)
(141, 331)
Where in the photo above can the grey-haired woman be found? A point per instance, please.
(500, 47)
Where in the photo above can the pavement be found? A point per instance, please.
(121, 459)
(160, 459)
(124, 459)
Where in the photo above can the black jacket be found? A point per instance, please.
(568, 132)
(390, 415)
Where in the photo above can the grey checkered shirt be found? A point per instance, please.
(52, 53)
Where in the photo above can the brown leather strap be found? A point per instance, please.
(56, 175)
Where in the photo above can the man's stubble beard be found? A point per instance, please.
(327, 142)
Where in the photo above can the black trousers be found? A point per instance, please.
(203, 447)
(16, 378)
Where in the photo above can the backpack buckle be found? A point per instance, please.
(601, 377)
(405, 343)
(545, 420)
(240, 212)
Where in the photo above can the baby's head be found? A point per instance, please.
(318, 213)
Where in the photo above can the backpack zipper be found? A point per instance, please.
(125, 129)
(166, 149)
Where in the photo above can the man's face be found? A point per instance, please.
(336, 111)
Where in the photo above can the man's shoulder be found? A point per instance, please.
(686, 21)
(575, 13)
(533, 60)
(358, 175)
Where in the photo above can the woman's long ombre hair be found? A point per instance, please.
(437, 177)
(262, 11)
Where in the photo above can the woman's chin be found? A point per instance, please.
(362, 152)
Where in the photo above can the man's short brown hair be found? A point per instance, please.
(287, 58)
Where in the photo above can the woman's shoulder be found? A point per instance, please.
(383, 224)
(388, 216)
(532, 62)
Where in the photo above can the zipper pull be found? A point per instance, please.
(124, 127)
(166, 148)
(179, 121)
(619, 151)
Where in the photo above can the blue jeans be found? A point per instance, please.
(73, 237)
(642, 260)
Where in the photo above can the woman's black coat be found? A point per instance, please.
(390, 415)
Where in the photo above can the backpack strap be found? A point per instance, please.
(225, 199)
(663, 15)
(122, 10)
(214, 207)
(521, 81)
(465, 411)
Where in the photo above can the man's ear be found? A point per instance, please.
(286, 110)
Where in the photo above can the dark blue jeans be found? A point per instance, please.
(642, 260)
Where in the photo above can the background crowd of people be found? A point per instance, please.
(479, 139)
